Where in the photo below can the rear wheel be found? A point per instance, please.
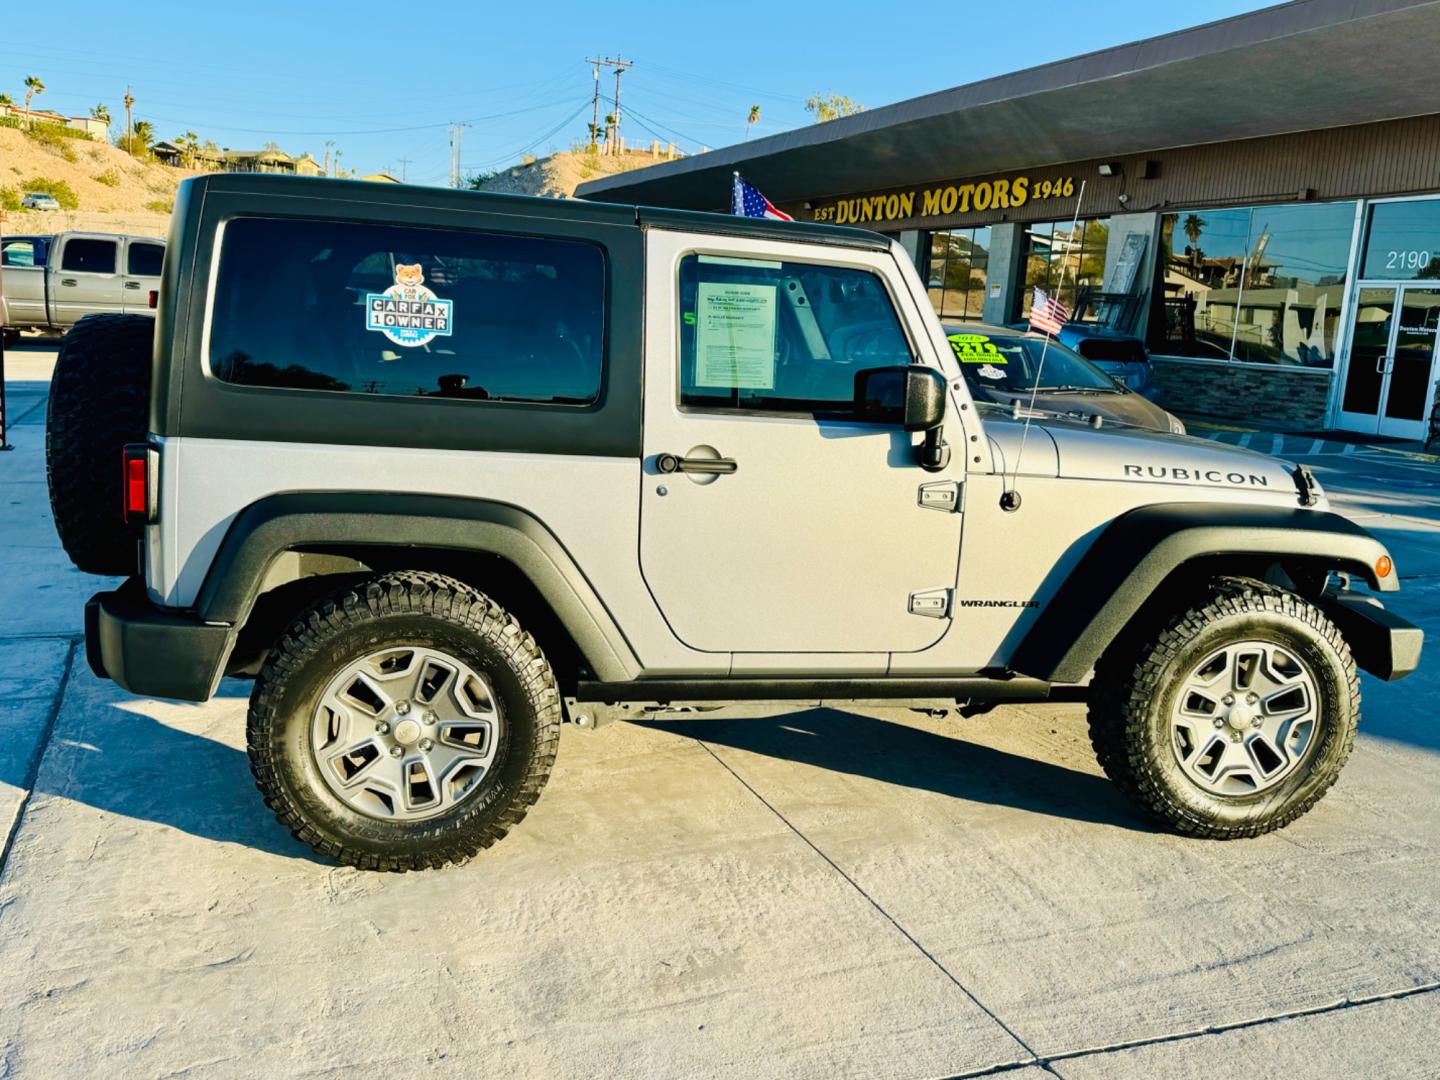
(407, 723)
(1234, 718)
(99, 401)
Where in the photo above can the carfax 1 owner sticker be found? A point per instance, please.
(408, 313)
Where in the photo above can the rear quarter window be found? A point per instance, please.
(416, 312)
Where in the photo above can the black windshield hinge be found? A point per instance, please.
(1305, 484)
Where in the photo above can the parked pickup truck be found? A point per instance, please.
(52, 282)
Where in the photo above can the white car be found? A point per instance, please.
(38, 200)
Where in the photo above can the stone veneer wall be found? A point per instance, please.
(1282, 395)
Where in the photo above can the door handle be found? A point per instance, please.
(673, 463)
(68, 281)
(132, 284)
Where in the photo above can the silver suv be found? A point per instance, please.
(440, 470)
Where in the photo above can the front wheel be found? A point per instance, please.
(1234, 718)
(408, 722)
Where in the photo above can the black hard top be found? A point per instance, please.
(269, 187)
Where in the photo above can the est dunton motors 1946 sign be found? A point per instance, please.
(975, 196)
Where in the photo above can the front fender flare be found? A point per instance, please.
(1137, 551)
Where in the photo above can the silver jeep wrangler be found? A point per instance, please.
(442, 470)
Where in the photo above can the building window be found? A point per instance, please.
(1402, 241)
(959, 261)
(1063, 257)
(1258, 285)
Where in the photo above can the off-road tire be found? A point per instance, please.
(402, 608)
(99, 401)
(1136, 680)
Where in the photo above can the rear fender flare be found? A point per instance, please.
(268, 528)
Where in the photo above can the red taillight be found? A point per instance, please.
(138, 475)
(154, 299)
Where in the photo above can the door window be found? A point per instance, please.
(89, 256)
(22, 251)
(782, 337)
(144, 259)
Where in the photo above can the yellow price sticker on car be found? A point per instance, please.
(975, 349)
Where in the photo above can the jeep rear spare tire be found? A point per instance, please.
(99, 401)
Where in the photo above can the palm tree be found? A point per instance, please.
(33, 86)
(752, 120)
(101, 112)
(143, 134)
(189, 144)
(1194, 225)
(6, 100)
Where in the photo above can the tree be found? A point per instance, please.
(751, 120)
(6, 100)
(189, 144)
(33, 86)
(831, 106)
(101, 112)
(1194, 225)
(142, 134)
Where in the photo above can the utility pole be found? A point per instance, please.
(403, 162)
(457, 133)
(129, 127)
(619, 66)
(325, 169)
(595, 119)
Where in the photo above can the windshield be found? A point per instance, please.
(1009, 363)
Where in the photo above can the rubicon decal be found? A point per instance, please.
(408, 313)
(1196, 476)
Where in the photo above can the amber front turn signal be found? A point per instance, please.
(1383, 566)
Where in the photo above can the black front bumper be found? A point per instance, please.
(1382, 643)
(153, 651)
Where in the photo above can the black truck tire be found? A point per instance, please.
(1180, 731)
(99, 401)
(328, 713)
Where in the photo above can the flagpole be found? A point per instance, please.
(1010, 498)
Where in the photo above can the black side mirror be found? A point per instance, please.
(910, 397)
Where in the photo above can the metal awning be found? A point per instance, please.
(1296, 67)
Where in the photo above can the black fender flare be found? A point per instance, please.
(1137, 551)
(276, 524)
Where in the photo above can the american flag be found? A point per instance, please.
(747, 201)
(1047, 313)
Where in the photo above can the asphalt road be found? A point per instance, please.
(766, 893)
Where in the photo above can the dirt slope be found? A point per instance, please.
(127, 185)
(560, 174)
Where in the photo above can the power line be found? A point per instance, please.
(373, 131)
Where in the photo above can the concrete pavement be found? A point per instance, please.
(807, 893)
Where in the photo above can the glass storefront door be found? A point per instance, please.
(1392, 360)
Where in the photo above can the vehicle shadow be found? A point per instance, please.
(896, 753)
(126, 763)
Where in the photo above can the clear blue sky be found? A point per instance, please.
(383, 80)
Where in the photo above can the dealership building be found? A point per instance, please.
(1256, 199)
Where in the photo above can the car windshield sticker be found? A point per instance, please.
(975, 349)
(735, 336)
(408, 313)
(989, 371)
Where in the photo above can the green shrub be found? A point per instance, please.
(63, 192)
(9, 198)
(43, 130)
(160, 206)
(110, 178)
